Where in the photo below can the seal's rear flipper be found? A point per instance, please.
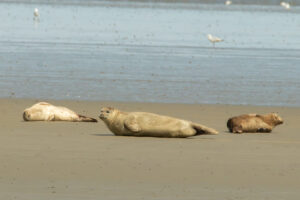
(203, 129)
(86, 119)
(229, 125)
(25, 116)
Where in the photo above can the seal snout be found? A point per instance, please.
(278, 119)
(101, 116)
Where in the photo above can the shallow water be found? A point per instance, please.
(153, 52)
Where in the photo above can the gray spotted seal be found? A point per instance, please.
(254, 123)
(44, 111)
(149, 124)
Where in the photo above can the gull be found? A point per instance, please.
(228, 2)
(36, 14)
(214, 39)
(283, 3)
(286, 5)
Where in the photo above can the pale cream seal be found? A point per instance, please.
(149, 124)
(44, 111)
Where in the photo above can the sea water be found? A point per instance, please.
(151, 52)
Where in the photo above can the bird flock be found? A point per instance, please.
(284, 4)
(210, 37)
(214, 39)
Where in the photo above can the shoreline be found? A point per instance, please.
(77, 160)
(141, 102)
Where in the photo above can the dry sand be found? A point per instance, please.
(67, 160)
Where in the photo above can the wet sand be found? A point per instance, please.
(65, 160)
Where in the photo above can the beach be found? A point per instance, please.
(71, 160)
(152, 56)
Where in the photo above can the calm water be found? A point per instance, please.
(153, 52)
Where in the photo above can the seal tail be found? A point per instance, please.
(86, 119)
(204, 130)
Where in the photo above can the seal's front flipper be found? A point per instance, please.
(132, 125)
(237, 129)
(265, 129)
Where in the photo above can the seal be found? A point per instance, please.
(44, 111)
(150, 124)
(254, 123)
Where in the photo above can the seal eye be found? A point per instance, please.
(107, 111)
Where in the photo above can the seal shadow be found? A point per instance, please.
(189, 138)
(228, 132)
(251, 133)
(198, 138)
(97, 134)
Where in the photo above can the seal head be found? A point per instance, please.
(276, 119)
(107, 113)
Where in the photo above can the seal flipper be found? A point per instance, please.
(132, 125)
(25, 116)
(86, 119)
(230, 125)
(237, 129)
(203, 129)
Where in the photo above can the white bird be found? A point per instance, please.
(283, 3)
(36, 13)
(228, 2)
(286, 5)
(214, 39)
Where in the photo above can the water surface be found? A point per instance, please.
(153, 52)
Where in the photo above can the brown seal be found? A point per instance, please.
(44, 111)
(254, 123)
(149, 124)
